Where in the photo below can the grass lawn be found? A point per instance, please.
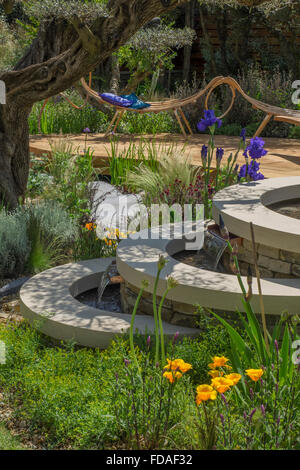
(9, 442)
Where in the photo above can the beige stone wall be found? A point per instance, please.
(176, 313)
(272, 262)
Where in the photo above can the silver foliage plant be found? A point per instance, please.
(54, 223)
(14, 244)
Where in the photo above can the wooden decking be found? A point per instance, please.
(283, 158)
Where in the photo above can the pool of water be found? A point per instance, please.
(199, 259)
(111, 299)
(290, 208)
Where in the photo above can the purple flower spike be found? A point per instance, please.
(204, 151)
(219, 154)
(209, 120)
(176, 336)
(224, 399)
(243, 134)
(263, 410)
(251, 414)
(276, 345)
(148, 341)
(222, 419)
(251, 393)
(126, 362)
(86, 130)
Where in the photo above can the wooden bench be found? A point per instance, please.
(290, 116)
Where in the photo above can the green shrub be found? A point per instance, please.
(34, 237)
(70, 174)
(60, 117)
(51, 232)
(14, 244)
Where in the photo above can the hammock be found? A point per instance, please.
(279, 114)
(174, 105)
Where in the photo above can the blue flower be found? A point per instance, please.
(243, 171)
(256, 148)
(219, 154)
(86, 130)
(243, 134)
(204, 151)
(252, 171)
(209, 120)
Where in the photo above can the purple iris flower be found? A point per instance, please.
(243, 134)
(219, 154)
(252, 171)
(256, 148)
(209, 120)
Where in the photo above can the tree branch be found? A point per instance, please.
(89, 41)
(56, 60)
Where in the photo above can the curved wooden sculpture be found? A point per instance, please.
(174, 105)
(279, 114)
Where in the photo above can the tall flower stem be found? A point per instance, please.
(162, 341)
(238, 274)
(262, 307)
(161, 265)
(144, 285)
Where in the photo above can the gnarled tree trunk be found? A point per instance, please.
(14, 152)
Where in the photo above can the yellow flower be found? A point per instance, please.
(218, 361)
(254, 374)
(221, 384)
(215, 373)
(234, 377)
(204, 393)
(172, 376)
(178, 364)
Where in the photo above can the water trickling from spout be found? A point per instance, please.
(213, 247)
(110, 271)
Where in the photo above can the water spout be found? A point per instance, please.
(213, 248)
(111, 271)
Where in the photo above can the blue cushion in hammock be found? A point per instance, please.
(116, 100)
(136, 102)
